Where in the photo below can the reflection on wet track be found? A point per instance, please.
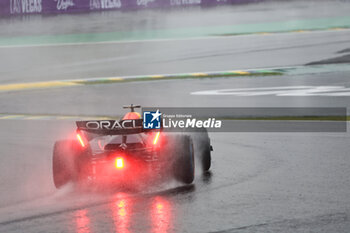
(125, 212)
(82, 221)
(121, 211)
(161, 214)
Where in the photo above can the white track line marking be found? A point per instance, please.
(280, 91)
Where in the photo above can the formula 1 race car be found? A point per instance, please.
(110, 152)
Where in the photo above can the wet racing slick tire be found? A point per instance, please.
(202, 147)
(205, 150)
(64, 162)
(184, 165)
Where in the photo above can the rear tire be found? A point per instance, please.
(205, 154)
(202, 147)
(184, 165)
(65, 153)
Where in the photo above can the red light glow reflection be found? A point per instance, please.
(161, 215)
(121, 211)
(82, 221)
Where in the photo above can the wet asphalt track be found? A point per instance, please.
(259, 182)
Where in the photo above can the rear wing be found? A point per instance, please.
(112, 127)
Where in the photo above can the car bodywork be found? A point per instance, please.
(122, 152)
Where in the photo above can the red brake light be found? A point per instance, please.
(80, 139)
(155, 140)
(119, 163)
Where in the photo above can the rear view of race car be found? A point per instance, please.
(122, 153)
